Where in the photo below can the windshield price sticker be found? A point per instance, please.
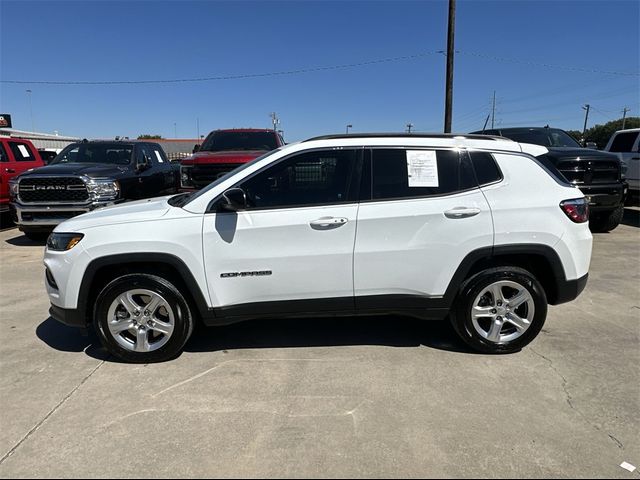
(422, 168)
(158, 156)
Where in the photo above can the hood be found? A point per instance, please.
(586, 153)
(138, 211)
(227, 156)
(93, 170)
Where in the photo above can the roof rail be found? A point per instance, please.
(405, 135)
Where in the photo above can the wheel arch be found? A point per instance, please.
(541, 260)
(104, 269)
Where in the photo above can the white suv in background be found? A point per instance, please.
(626, 144)
(470, 228)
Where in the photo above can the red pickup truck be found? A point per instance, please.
(16, 156)
(223, 151)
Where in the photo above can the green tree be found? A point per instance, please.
(149, 137)
(600, 134)
(575, 134)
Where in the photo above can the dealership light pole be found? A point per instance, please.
(449, 86)
(409, 127)
(348, 127)
(33, 129)
(624, 116)
(175, 130)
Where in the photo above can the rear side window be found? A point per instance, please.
(623, 142)
(21, 152)
(3, 154)
(400, 173)
(486, 169)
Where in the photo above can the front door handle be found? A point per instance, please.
(326, 223)
(462, 212)
(9, 170)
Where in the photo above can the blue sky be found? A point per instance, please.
(503, 46)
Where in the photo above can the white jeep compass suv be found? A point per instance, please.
(469, 228)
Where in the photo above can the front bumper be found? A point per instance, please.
(43, 216)
(70, 317)
(604, 197)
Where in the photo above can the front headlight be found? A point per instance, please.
(103, 189)
(13, 188)
(185, 177)
(61, 242)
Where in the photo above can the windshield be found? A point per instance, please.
(181, 200)
(547, 137)
(107, 153)
(220, 141)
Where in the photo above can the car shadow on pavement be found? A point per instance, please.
(20, 240)
(69, 339)
(631, 217)
(392, 331)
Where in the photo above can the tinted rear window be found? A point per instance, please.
(221, 141)
(391, 176)
(485, 167)
(623, 142)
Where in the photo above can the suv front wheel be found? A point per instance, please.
(142, 318)
(499, 310)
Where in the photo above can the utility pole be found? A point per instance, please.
(198, 127)
(450, 49)
(586, 117)
(493, 109)
(624, 116)
(275, 121)
(348, 127)
(409, 127)
(175, 130)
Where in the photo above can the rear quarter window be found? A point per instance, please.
(623, 142)
(486, 168)
(21, 152)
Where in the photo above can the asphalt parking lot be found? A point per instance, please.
(363, 397)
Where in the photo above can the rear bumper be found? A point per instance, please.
(71, 317)
(569, 290)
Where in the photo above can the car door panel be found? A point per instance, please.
(412, 246)
(295, 240)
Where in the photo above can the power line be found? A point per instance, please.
(548, 65)
(320, 69)
(230, 77)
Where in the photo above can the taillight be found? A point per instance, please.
(577, 209)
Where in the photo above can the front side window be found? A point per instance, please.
(312, 178)
(624, 142)
(400, 173)
(21, 152)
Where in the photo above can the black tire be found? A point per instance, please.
(606, 221)
(36, 236)
(183, 319)
(461, 311)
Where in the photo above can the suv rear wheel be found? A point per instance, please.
(499, 310)
(142, 318)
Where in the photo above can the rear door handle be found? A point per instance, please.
(462, 212)
(326, 223)
(9, 170)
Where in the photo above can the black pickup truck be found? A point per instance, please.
(597, 174)
(88, 175)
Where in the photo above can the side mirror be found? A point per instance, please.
(233, 200)
(593, 145)
(196, 148)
